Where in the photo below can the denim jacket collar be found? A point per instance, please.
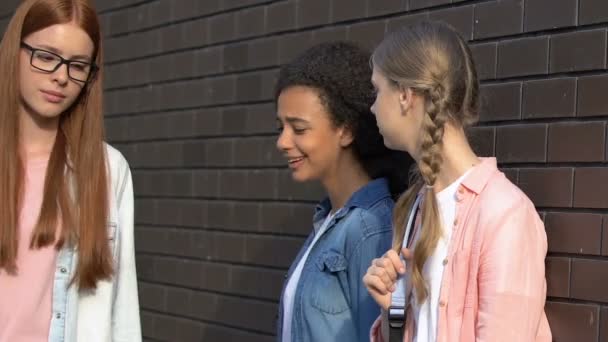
(364, 198)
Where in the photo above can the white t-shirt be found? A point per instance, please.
(426, 315)
(292, 283)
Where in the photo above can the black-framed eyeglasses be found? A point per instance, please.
(47, 61)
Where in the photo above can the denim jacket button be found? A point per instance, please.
(58, 315)
(63, 270)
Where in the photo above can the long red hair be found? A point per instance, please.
(76, 186)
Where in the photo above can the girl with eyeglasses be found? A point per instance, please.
(67, 266)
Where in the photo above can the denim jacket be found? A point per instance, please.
(330, 302)
(111, 312)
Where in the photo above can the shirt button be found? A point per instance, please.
(286, 275)
(445, 261)
(58, 315)
(442, 303)
(63, 270)
(456, 222)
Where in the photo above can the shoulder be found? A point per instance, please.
(372, 220)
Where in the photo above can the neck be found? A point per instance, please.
(458, 157)
(36, 134)
(344, 180)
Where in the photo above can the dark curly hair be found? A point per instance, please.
(341, 74)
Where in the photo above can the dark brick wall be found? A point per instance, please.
(188, 101)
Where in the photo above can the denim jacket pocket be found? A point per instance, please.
(331, 284)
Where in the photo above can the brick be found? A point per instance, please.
(220, 152)
(208, 61)
(367, 34)
(251, 22)
(573, 322)
(152, 296)
(232, 183)
(261, 119)
(342, 10)
(500, 102)
(233, 120)
(558, 277)
(262, 184)
(292, 45)
(576, 233)
(262, 250)
(263, 53)
(418, 4)
(498, 18)
(521, 143)
(461, 18)
(590, 187)
(482, 140)
(222, 28)
(249, 87)
(548, 187)
(563, 14)
(592, 11)
(549, 98)
(576, 51)
(589, 279)
(511, 174)
(485, 57)
(268, 282)
(522, 56)
(330, 34)
(577, 142)
(313, 13)
(395, 23)
(281, 16)
(591, 98)
(379, 7)
(205, 183)
(605, 236)
(207, 121)
(195, 33)
(236, 57)
(288, 189)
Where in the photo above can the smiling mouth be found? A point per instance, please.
(294, 160)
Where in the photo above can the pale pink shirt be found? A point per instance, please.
(26, 299)
(493, 286)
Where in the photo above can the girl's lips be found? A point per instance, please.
(295, 162)
(52, 96)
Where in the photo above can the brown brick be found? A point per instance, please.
(577, 142)
(263, 250)
(292, 45)
(461, 18)
(418, 4)
(558, 277)
(605, 236)
(573, 322)
(512, 174)
(222, 28)
(521, 143)
(563, 14)
(330, 34)
(482, 140)
(251, 22)
(378, 7)
(590, 187)
(367, 34)
(549, 98)
(547, 187)
(591, 97)
(313, 12)
(395, 23)
(582, 50)
(263, 53)
(498, 18)
(577, 233)
(589, 279)
(523, 56)
(592, 11)
(281, 16)
(348, 9)
(500, 102)
(485, 60)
